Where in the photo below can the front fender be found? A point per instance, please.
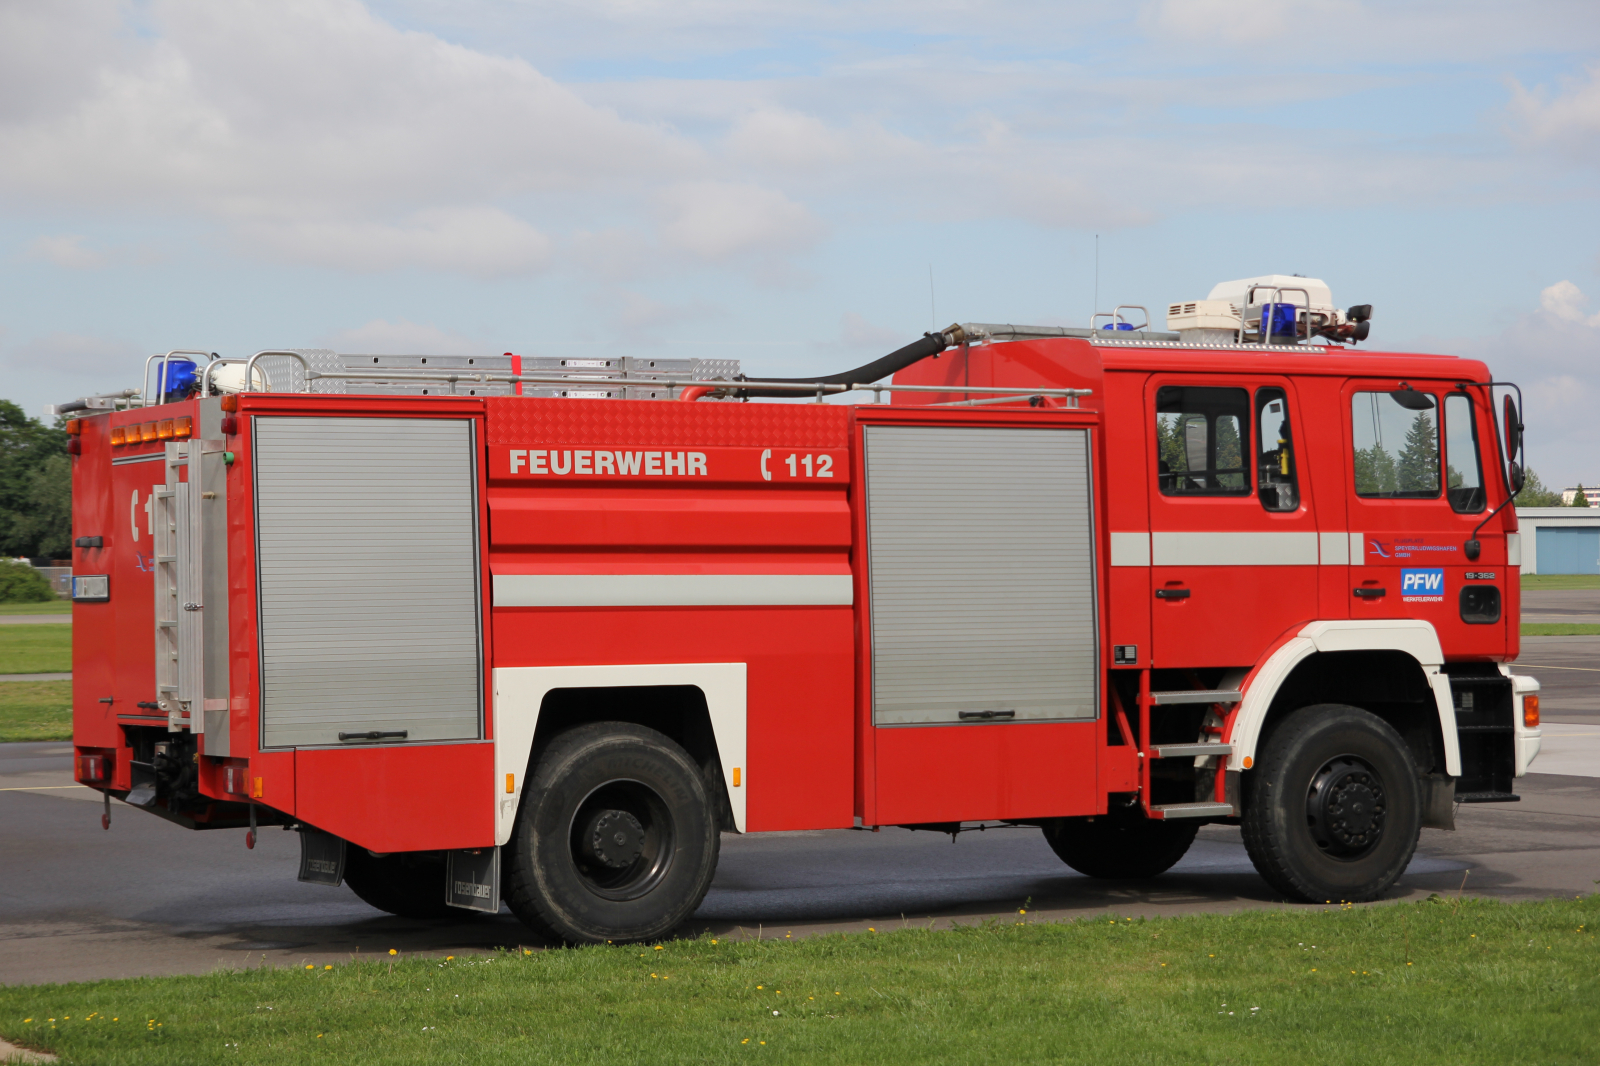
(1413, 637)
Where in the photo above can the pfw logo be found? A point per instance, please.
(1422, 586)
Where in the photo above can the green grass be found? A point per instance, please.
(1560, 629)
(1445, 981)
(35, 710)
(1561, 581)
(41, 649)
(53, 607)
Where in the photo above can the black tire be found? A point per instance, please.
(408, 883)
(1120, 845)
(616, 839)
(1333, 808)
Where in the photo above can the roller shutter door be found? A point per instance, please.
(982, 574)
(367, 555)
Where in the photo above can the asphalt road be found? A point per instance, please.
(77, 903)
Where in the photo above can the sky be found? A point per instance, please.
(802, 186)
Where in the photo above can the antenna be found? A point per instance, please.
(1095, 310)
(933, 314)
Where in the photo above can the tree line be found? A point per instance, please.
(35, 487)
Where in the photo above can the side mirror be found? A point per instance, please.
(1518, 478)
(1513, 430)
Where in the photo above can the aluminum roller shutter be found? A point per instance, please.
(367, 556)
(982, 556)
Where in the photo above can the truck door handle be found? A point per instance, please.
(1172, 594)
(1371, 594)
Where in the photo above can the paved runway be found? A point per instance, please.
(77, 903)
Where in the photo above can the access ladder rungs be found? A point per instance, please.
(1193, 810)
(1178, 751)
(1198, 695)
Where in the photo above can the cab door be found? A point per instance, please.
(1233, 540)
(1416, 491)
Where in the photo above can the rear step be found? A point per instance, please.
(1488, 797)
(1193, 810)
(1179, 751)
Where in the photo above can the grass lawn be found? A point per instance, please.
(40, 649)
(1560, 629)
(1446, 981)
(35, 710)
(52, 607)
(1561, 581)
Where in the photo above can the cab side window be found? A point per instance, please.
(1202, 438)
(1396, 444)
(1463, 469)
(1276, 478)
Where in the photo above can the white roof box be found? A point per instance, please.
(1235, 292)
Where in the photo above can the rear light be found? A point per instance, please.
(230, 403)
(93, 768)
(74, 446)
(119, 436)
(74, 426)
(1530, 711)
(230, 425)
(164, 429)
(236, 780)
(182, 427)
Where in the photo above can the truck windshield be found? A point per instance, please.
(1202, 435)
(1396, 449)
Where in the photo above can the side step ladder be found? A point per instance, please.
(1205, 809)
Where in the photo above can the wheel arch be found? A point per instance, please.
(1389, 666)
(699, 705)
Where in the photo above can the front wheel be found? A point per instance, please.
(616, 839)
(1333, 810)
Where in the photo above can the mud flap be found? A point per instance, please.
(321, 857)
(1438, 801)
(474, 880)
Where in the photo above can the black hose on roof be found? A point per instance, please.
(899, 359)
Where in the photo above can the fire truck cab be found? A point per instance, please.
(510, 629)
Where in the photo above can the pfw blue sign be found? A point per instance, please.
(1422, 586)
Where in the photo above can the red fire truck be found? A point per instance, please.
(485, 629)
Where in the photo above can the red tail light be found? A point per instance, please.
(93, 769)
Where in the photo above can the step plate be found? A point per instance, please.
(1178, 751)
(1193, 810)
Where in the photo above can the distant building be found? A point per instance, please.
(1592, 495)
(1558, 540)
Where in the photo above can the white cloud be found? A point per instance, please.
(1567, 121)
(481, 241)
(402, 337)
(66, 250)
(1566, 301)
(720, 220)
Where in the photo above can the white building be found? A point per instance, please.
(1560, 540)
(1592, 495)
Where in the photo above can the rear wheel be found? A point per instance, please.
(1333, 809)
(408, 883)
(1121, 844)
(616, 839)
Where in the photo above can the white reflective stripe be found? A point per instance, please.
(1358, 549)
(1513, 549)
(1335, 549)
(673, 590)
(1233, 549)
(1130, 549)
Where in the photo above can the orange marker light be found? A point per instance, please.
(511, 783)
(164, 429)
(735, 777)
(230, 403)
(119, 436)
(255, 789)
(183, 427)
(1530, 711)
(74, 426)
(1248, 762)
(147, 432)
